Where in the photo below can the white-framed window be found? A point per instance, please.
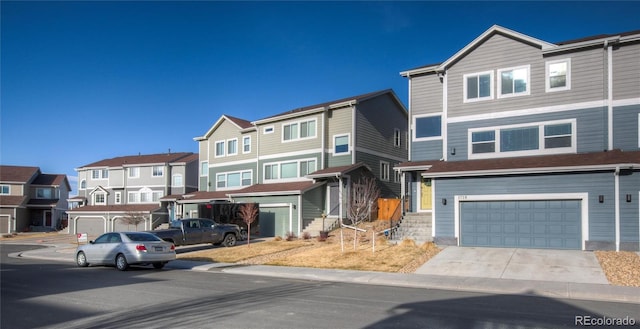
(157, 171)
(427, 127)
(289, 170)
(5, 189)
(549, 137)
(100, 173)
(246, 144)
(299, 130)
(558, 75)
(513, 81)
(219, 149)
(43, 193)
(204, 169)
(384, 171)
(478, 86)
(397, 138)
(341, 144)
(232, 146)
(134, 172)
(156, 195)
(83, 184)
(99, 198)
(397, 176)
(176, 180)
(268, 130)
(118, 197)
(144, 195)
(233, 179)
(133, 197)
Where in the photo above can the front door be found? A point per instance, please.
(426, 197)
(47, 218)
(334, 199)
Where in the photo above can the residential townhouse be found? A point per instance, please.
(31, 200)
(519, 142)
(112, 190)
(299, 165)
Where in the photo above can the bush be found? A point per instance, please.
(291, 236)
(278, 238)
(306, 235)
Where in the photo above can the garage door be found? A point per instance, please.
(5, 221)
(552, 224)
(274, 221)
(90, 225)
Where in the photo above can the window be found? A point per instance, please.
(134, 172)
(133, 197)
(100, 174)
(144, 195)
(156, 196)
(478, 86)
(551, 137)
(233, 179)
(268, 130)
(157, 171)
(43, 193)
(232, 146)
(299, 130)
(219, 149)
(204, 169)
(246, 144)
(271, 171)
(427, 127)
(307, 167)
(397, 177)
(341, 144)
(384, 171)
(513, 81)
(397, 139)
(176, 180)
(558, 75)
(5, 189)
(289, 169)
(118, 197)
(83, 184)
(99, 198)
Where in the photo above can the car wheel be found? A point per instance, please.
(81, 259)
(158, 265)
(121, 262)
(229, 240)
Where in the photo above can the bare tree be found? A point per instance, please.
(133, 218)
(249, 213)
(363, 197)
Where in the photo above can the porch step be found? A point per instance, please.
(415, 226)
(315, 226)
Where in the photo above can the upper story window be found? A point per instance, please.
(83, 184)
(118, 197)
(219, 149)
(558, 75)
(341, 144)
(384, 171)
(478, 86)
(157, 171)
(176, 180)
(246, 144)
(232, 146)
(288, 169)
(299, 130)
(233, 179)
(397, 138)
(100, 173)
(513, 81)
(99, 198)
(551, 137)
(268, 130)
(44, 193)
(204, 169)
(5, 189)
(134, 172)
(427, 127)
(144, 195)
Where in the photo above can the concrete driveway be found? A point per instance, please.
(514, 263)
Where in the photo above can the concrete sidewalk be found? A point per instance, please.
(501, 285)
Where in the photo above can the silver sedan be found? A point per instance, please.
(126, 248)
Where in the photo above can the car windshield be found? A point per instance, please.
(142, 237)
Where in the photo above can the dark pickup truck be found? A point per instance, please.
(200, 230)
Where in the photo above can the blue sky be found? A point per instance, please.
(85, 81)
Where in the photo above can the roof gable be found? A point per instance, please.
(18, 174)
(240, 124)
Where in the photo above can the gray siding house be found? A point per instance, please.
(112, 190)
(519, 142)
(31, 200)
(299, 164)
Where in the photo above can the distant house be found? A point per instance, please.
(519, 142)
(300, 164)
(31, 200)
(112, 191)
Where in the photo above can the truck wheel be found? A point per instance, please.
(121, 262)
(229, 240)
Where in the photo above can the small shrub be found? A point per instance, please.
(306, 235)
(322, 238)
(278, 238)
(291, 236)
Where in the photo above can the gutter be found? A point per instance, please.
(500, 172)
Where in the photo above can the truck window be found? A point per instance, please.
(194, 224)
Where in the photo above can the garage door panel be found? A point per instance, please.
(532, 224)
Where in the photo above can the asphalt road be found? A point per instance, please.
(41, 294)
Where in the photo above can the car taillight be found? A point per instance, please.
(141, 247)
(173, 247)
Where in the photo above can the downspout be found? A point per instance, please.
(617, 206)
(609, 47)
(340, 199)
(300, 215)
(410, 137)
(353, 129)
(322, 139)
(443, 119)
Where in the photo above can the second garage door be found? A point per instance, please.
(552, 224)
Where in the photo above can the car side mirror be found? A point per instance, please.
(92, 242)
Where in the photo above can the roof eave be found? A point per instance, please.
(519, 171)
